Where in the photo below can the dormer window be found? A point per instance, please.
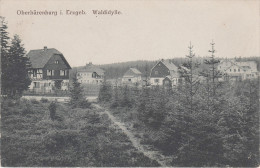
(56, 62)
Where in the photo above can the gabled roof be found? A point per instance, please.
(243, 65)
(168, 64)
(92, 68)
(132, 72)
(40, 57)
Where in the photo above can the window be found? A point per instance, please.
(238, 70)
(235, 70)
(34, 73)
(50, 72)
(230, 70)
(63, 72)
(129, 80)
(156, 72)
(36, 84)
(56, 62)
(156, 80)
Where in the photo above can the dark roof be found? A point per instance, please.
(132, 72)
(92, 68)
(169, 65)
(39, 58)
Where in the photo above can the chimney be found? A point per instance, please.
(45, 48)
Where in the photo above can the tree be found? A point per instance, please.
(77, 98)
(191, 79)
(4, 54)
(105, 92)
(126, 100)
(15, 78)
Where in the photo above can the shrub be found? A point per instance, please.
(84, 104)
(52, 108)
(34, 101)
(44, 100)
(27, 109)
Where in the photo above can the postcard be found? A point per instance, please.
(130, 83)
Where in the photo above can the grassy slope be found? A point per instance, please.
(81, 138)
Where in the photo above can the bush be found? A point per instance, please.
(44, 100)
(52, 108)
(34, 101)
(27, 109)
(84, 104)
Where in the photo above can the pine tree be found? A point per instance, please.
(17, 70)
(126, 101)
(77, 98)
(4, 54)
(214, 74)
(191, 80)
(105, 92)
(212, 84)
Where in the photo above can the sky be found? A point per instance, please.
(145, 30)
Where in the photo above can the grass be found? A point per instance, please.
(82, 137)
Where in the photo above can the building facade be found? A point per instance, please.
(132, 76)
(90, 74)
(164, 72)
(49, 70)
(238, 70)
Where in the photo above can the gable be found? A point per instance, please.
(160, 70)
(57, 62)
(132, 72)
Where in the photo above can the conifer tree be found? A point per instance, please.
(105, 92)
(77, 98)
(213, 74)
(17, 79)
(191, 80)
(4, 54)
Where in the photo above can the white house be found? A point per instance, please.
(90, 74)
(238, 70)
(133, 76)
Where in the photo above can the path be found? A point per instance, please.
(58, 99)
(153, 155)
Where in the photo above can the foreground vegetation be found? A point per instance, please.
(219, 130)
(74, 137)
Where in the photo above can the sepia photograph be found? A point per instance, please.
(109, 83)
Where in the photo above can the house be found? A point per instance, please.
(49, 70)
(90, 74)
(164, 73)
(132, 76)
(238, 70)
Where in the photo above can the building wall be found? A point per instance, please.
(156, 81)
(86, 78)
(160, 70)
(52, 65)
(47, 86)
(132, 79)
(237, 72)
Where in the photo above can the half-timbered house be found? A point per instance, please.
(49, 70)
